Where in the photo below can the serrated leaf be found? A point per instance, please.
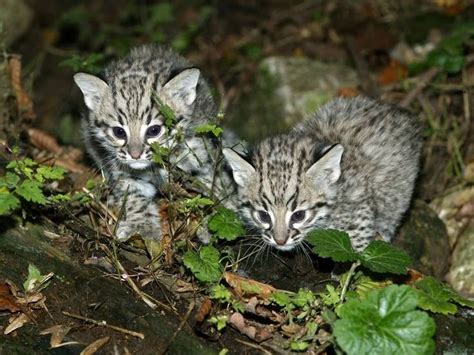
(280, 298)
(331, 243)
(30, 190)
(9, 180)
(209, 128)
(51, 172)
(382, 257)
(303, 297)
(296, 345)
(434, 296)
(385, 323)
(225, 224)
(331, 297)
(8, 202)
(219, 292)
(205, 265)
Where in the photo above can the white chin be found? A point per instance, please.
(286, 247)
(143, 164)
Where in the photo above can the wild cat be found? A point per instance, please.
(351, 166)
(124, 120)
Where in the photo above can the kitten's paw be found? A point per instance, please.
(150, 231)
(124, 231)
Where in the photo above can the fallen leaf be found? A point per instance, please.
(393, 72)
(58, 332)
(7, 301)
(204, 310)
(96, 345)
(44, 141)
(248, 287)
(16, 323)
(254, 332)
(23, 100)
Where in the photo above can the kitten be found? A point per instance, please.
(351, 166)
(124, 120)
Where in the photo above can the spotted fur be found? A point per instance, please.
(351, 166)
(124, 120)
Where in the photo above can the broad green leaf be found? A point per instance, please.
(205, 265)
(331, 243)
(382, 257)
(30, 190)
(209, 128)
(225, 224)
(8, 202)
(434, 296)
(280, 298)
(385, 323)
(51, 172)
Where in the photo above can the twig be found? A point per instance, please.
(103, 323)
(348, 280)
(255, 346)
(180, 327)
(423, 81)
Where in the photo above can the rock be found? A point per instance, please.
(454, 333)
(423, 236)
(456, 209)
(285, 91)
(83, 290)
(15, 18)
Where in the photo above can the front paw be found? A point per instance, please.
(148, 231)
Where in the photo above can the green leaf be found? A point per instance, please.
(296, 345)
(385, 323)
(194, 203)
(225, 224)
(382, 257)
(219, 292)
(331, 297)
(9, 180)
(303, 297)
(8, 202)
(205, 265)
(331, 243)
(30, 190)
(280, 298)
(167, 112)
(51, 172)
(434, 296)
(220, 321)
(35, 280)
(209, 128)
(160, 153)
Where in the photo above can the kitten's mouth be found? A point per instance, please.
(138, 164)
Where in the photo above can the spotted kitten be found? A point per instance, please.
(351, 166)
(124, 120)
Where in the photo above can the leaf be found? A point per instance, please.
(434, 296)
(385, 323)
(303, 297)
(209, 128)
(34, 276)
(9, 180)
(194, 203)
(160, 153)
(51, 172)
(382, 257)
(331, 243)
(280, 298)
(30, 190)
(331, 297)
(8, 202)
(296, 345)
(225, 224)
(205, 265)
(219, 292)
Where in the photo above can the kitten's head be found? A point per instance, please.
(288, 189)
(124, 118)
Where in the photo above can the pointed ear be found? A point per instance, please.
(243, 171)
(327, 170)
(92, 88)
(182, 88)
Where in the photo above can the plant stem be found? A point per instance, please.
(348, 280)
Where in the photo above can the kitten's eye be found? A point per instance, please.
(119, 132)
(297, 216)
(264, 217)
(153, 131)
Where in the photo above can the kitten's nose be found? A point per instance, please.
(136, 154)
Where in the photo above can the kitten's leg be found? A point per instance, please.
(140, 215)
(359, 223)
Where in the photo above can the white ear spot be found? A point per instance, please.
(92, 88)
(328, 168)
(182, 88)
(242, 170)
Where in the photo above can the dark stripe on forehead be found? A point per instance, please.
(122, 117)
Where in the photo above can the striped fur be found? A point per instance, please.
(351, 166)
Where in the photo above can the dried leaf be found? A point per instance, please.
(348, 91)
(204, 310)
(254, 332)
(58, 332)
(96, 345)
(393, 72)
(7, 300)
(16, 323)
(248, 287)
(24, 102)
(44, 141)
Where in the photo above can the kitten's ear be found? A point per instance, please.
(327, 170)
(92, 88)
(182, 88)
(243, 171)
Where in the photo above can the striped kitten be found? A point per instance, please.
(124, 120)
(351, 166)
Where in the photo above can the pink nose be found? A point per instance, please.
(136, 154)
